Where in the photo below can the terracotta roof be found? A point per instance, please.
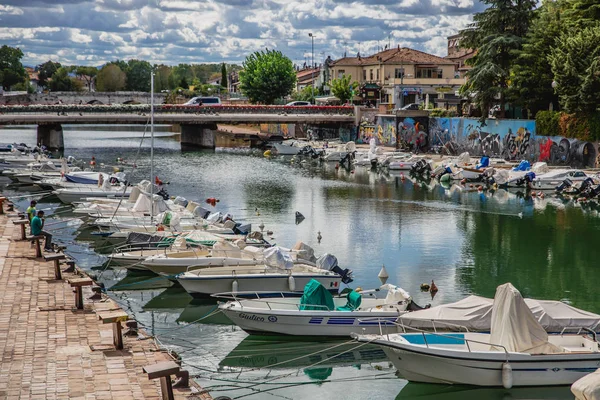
(461, 54)
(306, 72)
(402, 55)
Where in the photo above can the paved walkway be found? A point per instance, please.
(48, 350)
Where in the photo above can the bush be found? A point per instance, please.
(440, 112)
(547, 123)
(574, 126)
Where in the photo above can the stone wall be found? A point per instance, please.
(83, 98)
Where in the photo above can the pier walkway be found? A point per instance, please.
(51, 350)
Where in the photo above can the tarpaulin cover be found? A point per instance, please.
(304, 251)
(475, 313)
(327, 262)
(588, 387)
(523, 166)
(316, 297)
(395, 295)
(484, 162)
(276, 258)
(514, 327)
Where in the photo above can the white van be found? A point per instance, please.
(206, 101)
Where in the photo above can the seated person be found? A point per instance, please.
(37, 224)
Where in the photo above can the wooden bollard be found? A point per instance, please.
(78, 284)
(56, 258)
(22, 223)
(115, 318)
(163, 370)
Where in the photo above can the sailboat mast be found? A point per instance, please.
(152, 147)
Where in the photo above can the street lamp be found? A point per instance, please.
(312, 72)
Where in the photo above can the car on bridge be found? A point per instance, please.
(299, 103)
(203, 101)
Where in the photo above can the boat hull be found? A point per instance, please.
(326, 323)
(205, 286)
(421, 364)
(285, 150)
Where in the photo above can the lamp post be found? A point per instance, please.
(312, 72)
(554, 85)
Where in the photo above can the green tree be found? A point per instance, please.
(184, 83)
(267, 75)
(532, 75)
(343, 88)
(306, 94)
(497, 33)
(161, 77)
(88, 74)
(11, 69)
(45, 72)
(576, 66)
(138, 75)
(110, 78)
(581, 14)
(62, 82)
(223, 75)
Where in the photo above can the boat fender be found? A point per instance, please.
(267, 153)
(292, 283)
(234, 286)
(507, 375)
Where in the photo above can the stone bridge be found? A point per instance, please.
(198, 124)
(82, 98)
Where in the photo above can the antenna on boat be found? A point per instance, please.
(152, 148)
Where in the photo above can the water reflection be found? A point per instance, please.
(424, 391)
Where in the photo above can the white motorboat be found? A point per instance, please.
(517, 352)
(288, 147)
(342, 315)
(340, 152)
(77, 193)
(207, 280)
(178, 258)
(552, 179)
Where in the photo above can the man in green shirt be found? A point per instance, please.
(31, 211)
(37, 223)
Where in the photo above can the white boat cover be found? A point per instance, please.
(226, 249)
(304, 251)
(463, 158)
(540, 168)
(588, 387)
(515, 327)
(395, 295)
(276, 258)
(145, 204)
(475, 313)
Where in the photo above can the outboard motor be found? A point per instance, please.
(347, 159)
(421, 167)
(594, 192)
(567, 183)
(586, 185)
(526, 180)
(487, 176)
(329, 262)
(163, 193)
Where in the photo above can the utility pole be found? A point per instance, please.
(312, 68)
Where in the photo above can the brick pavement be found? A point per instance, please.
(48, 350)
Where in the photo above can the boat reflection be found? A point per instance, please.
(174, 297)
(134, 280)
(423, 391)
(204, 312)
(318, 359)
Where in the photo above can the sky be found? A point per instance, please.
(92, 32)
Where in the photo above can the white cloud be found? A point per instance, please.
(174, 31)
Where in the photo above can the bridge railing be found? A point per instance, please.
(173, 109)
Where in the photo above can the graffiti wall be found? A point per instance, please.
(413, 132)
(511, 139)
(286, 130)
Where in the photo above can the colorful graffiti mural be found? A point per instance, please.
(413, 132)
(511, 139)
(285, 130)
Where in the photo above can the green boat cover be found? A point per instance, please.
(316, 297)
(354, 300)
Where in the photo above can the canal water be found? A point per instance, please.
(467, 242)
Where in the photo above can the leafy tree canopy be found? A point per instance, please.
(11, 69)
(267, 75)
(138, 75)
(575, 64)
(343, 88)
(223, 75)
(497, 33)
(62, 82)
(110, 78)
(45, 72)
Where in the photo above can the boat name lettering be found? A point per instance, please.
(252, 317)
